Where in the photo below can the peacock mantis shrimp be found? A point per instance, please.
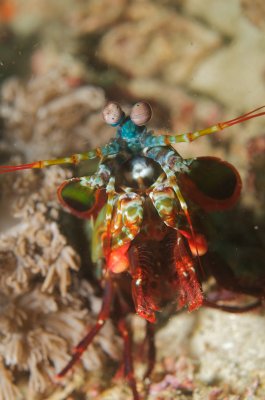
(143, 227)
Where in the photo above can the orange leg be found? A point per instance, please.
(128, 362)
(144, 295)
(150, 338)
(102, 317)
(188, 286)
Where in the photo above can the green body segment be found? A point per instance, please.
(127, 219)
(164, 200)
(98, 228)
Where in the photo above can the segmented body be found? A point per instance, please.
(143, 232)
(144, 218)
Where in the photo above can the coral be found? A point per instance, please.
(7, 389)
(40, 318)
(49, 107)
(91, 17)
(161, 45)
(36, 243)
(255, 12)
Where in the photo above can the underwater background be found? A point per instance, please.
(197, 63)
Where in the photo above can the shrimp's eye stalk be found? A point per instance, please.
(141, 113)
(113, 114)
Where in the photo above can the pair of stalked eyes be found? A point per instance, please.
(140, 114)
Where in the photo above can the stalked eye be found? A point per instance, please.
(112, 113)
(141, 113)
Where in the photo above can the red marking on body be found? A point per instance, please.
(118, 259)
(197, 243)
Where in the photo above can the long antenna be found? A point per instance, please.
(99, 152)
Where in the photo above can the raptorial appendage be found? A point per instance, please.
(143, 225)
